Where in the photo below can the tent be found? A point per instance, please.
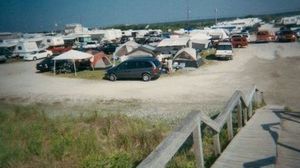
(100, 61)
(187, 57)
(125, 48)
(142, 51)
(72, 55)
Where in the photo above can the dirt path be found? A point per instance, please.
(273, 67)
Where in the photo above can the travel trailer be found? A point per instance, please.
(24, 47)
(52, 41)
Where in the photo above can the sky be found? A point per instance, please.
(43, 15)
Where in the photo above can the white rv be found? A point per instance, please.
(24, 47)
(53, 41)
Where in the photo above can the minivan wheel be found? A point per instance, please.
(112, 77)
(146, 77)
(34, 59)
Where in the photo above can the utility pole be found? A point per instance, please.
(188, 13)
(216, 16)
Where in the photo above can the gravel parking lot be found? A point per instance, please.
(273, 67)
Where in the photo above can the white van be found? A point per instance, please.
(224, 51)
(37, 55)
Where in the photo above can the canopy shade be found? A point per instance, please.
(73, 55)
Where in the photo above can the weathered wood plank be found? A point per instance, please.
(229, 127)
(217, 144)
(240, 115)
(198, 148)
(254, 145)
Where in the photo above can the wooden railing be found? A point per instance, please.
(192, 125)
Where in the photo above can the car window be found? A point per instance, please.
(42, 51)
(147, 65)
(224, 47)
(122, 66)
(156, 62)
(131, 65)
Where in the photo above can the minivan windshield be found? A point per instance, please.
(224, 47)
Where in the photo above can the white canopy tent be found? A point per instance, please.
(72, 55)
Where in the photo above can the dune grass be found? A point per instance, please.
(30, 138)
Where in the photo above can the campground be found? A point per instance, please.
(170, 97)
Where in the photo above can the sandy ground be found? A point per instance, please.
(273, 67)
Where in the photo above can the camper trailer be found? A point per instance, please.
(52, 41)
(24, 47)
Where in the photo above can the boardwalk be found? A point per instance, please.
(288, 145)
(255, 144)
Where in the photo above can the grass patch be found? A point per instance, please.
(85, 74)
(28, 138)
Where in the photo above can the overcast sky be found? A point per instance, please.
(39, 15)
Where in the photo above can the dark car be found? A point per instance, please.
(287, 36)
(109, 48)
(62, 65)
(135, 68)
(48, 65)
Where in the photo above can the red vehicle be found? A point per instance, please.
(59, 49)
(238, 42)
(265, 36)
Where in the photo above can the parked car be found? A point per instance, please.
(135, 68)
(243, 34)
(91, 44)
(3, 58)
(265, 36)
(297, 31)
(239, 41)
(109, 48)
(37, 55)
(224, 51)
(47, 64)
(287, 36)
(56, 50)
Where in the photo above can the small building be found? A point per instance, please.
(187, 57)
(75, 29)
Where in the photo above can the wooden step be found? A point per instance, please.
(255, 144)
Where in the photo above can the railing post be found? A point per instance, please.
(255, 100)
(250, 110)
(245, 115)
(217, 145)
(239, 114)
(229, 127)
(198, 148)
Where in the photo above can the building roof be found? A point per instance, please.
(173, 42)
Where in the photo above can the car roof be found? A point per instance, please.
(142, 58)
(224, 43)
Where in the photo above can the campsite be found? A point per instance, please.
(103, 91)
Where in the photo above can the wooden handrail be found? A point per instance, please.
(192, 124)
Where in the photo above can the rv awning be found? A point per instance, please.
(73, 55)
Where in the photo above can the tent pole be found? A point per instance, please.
(54, 72)
(74, 67)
